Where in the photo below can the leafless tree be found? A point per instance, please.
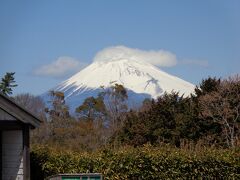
(223, 107)
(33, 104)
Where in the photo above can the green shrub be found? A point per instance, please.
(139, 163)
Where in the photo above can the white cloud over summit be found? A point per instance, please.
(155, 57)
(65, 65)
(61, 67)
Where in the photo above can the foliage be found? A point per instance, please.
(211, 115)
(185, 133)
(7, 83)
(62, 130)
(168, 119)
(223, 107)
(145, 162)
(207, 86)
(92, 108)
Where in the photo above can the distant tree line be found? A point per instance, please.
(90, 128)
(210, 117)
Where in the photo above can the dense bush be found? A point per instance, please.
(139, 163)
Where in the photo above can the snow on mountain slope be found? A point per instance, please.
(140, 78)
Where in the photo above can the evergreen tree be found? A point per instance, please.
(166, 120)
(7, 83)
(207, 85)
(208, 130)
(92, 108)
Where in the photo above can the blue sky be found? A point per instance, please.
(204, 36)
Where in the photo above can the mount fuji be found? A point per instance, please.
(141, 79)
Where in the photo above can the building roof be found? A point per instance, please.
(11, 107)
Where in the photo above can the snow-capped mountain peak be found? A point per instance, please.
(141, 79)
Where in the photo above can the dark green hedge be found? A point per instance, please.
(139, 163)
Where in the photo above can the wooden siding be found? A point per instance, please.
(15, 123)
(5, 116)
(12, 155)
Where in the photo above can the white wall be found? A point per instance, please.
(12, 152)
